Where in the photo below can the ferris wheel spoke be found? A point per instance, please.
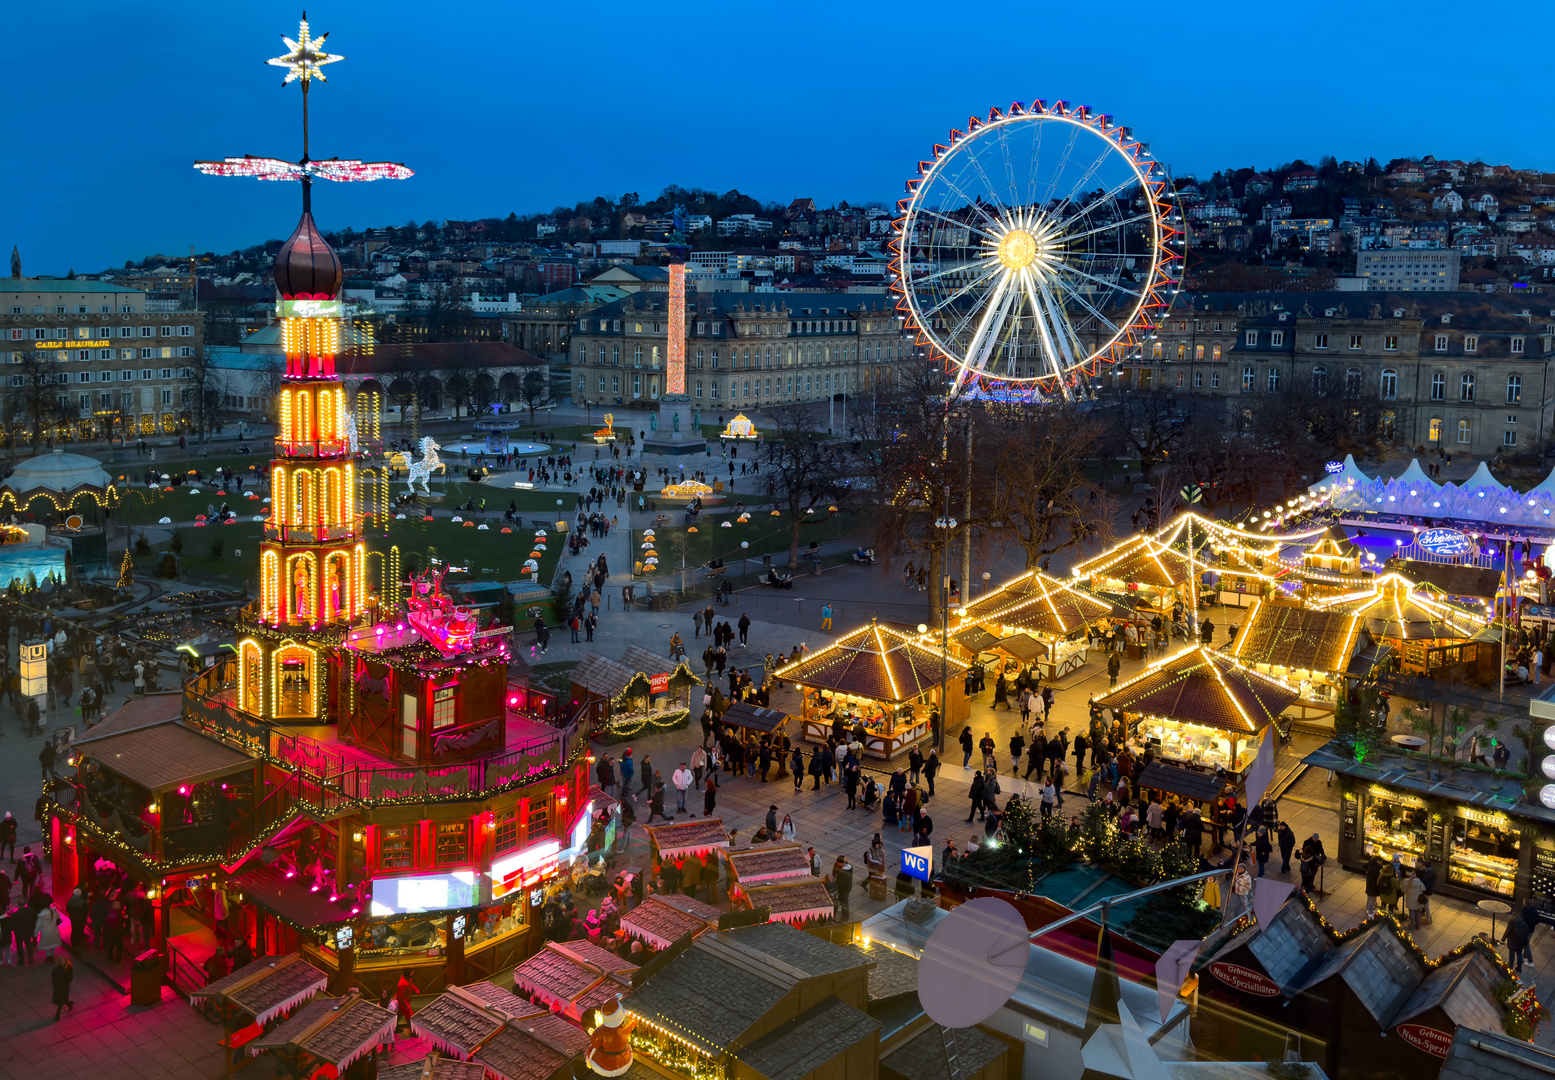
(959, 293)
(1086, 176)
(1103, 282)
(978, 348)
(958, 268)
(1063, 163)
(1009, 166)
(1109, 226)
(972, 204)
(1110, 195)
(1049, 333)
(982, 174)
(958, 224)
(1080, 299)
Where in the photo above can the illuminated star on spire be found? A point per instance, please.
(307, 56)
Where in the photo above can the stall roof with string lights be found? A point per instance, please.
(1038, 603)
(1428, 633)
(1201, 708)
(1314, 646)
(883, 678)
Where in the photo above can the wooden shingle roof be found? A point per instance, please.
(874, 662)
(1039, 603)
(661, 924)
(1140, 559)
(434, 1067)
(1198, 686)
(1302, 639)
(456, 1024)
(769, 863)
(597, 674)
(512, 1054)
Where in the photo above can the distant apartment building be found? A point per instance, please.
(744, 225)
(118, 367)
(1409, 269)
(1464, 372)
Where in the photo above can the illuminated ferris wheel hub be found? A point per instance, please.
(1036, 245)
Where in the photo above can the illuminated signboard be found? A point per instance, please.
(311, 309)
(658, 684)
(1334, 467)
(71, 344)
(918, 862)
(524, 868)
(1445, 542)
(424, 892)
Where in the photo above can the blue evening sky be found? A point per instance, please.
(520, 106)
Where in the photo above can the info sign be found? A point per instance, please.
(1448, 543)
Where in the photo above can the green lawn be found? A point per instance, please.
(489, 554)
(766, 535)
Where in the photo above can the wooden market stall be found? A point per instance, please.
(1427, 634)
(456, 1022)
(1200, 709)
(754, 866)
(1320, 652)
(1044, 620)
(664, 918)
(692, 846)
(883, 678)
(1333, 565)
(753, 718)
(572, 977)
(257, 993)
(333, 1032)
(795, 901)
(640, 693)
(1144, 568)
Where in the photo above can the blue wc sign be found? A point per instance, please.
(918, 862)
(1449, 543)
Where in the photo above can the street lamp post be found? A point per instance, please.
(946, 525)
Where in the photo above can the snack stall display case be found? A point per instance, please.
(1200, 710)
(886, 680)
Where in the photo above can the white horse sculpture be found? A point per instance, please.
(422, 470)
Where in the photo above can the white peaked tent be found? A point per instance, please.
(1416, 475)
(1546, 487)
(1482, 479)
(1349, 476)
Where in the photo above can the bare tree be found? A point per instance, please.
(1034, 464)
(533, 390)
(462, 376)
(34, 390)
(1150, 423)
(801, 469)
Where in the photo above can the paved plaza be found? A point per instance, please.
(174, 1040)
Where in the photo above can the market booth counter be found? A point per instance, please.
(1200, 710)
(882, 678)
(636, 695)
(1471, 822)
(1039, 620)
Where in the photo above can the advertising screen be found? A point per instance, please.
(425, 892)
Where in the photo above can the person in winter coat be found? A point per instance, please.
(966, 749)
(977, 797)
(796, 766)
(76, 908)
(1517, 944)
(402, 1006)
(1262, 849)
(1017, 748)
(628, 769)
(1373, 870)
(1287, 840)
(61, 977)
(709, 797)
(1414, 898)
(930, 769)
(48, 931)
(1193, 831)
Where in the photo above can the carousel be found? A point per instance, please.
(1199, 710)
(1427, 634)
(881, 680)
(1036, 620)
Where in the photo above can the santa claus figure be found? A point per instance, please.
(610, 1046)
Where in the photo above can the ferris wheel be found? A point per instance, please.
(1039, 243)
